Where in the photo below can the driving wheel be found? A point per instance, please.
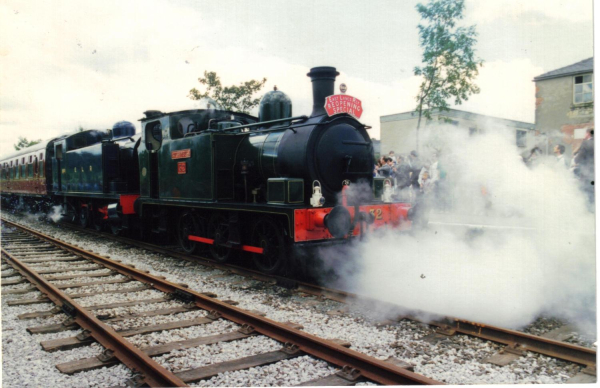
(218, 230)
(84, 215)
(266, 234)
(190, 224)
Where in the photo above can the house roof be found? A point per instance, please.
(455, 113)
(585, 66)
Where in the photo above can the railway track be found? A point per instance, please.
(52, 266)
(517, 343)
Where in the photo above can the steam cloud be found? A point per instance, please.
(56, 213)
(536, 258)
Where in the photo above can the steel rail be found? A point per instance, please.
(450, 325)
(523, 341)
(369, 367)
(153, 373)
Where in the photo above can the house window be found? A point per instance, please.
(521, 138)
(584, 91)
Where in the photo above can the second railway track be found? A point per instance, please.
(518, 346)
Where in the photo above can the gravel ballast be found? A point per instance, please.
(456, 360)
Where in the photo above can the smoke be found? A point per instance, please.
(506, 242)
(56, 213)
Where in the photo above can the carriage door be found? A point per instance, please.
(153, 141)
(57, 167)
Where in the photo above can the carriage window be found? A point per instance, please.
(41, 169)
(41, 156)
(30, 170)
(59, 152)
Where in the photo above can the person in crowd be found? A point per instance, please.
(426, 183)
(561, 161)
(393, 156)
(388, 169)
(426, 169)
(402, 178)
(378, 165)
(402, 173)
(533, 159)
(584, 162)
(415, 169)
(441, 190)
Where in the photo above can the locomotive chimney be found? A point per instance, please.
(323, 79)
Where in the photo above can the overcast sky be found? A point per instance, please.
(66, 64)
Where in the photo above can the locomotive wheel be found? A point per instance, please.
(116, 230)
(72, 214)
(189, 224)
(97, 221)
(267, 235)
(218, 230)
(84, 216)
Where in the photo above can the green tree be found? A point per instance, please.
(233, 98)
(24, 143)
(449, 65)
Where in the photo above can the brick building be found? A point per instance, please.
(564, 104)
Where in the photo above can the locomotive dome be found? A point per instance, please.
(274, 105)
(123, 129)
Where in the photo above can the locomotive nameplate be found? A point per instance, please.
(181, 154)
(343, 103)
(181, 168)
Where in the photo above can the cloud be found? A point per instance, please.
(507, 90)
(486, 11)
(67, 65)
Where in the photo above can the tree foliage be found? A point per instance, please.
(24, 143)
(449, 64)
(237, 98)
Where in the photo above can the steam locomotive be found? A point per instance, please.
(270, 186)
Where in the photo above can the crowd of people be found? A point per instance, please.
(581, 164)
(414, 180)
(410, 177)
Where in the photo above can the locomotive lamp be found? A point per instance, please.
(317, 200)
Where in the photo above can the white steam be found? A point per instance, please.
(536, 257)
(56, 213)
